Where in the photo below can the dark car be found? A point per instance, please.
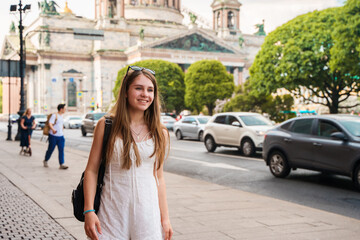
(326, 143)
(89, 122)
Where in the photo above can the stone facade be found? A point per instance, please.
(81, 71)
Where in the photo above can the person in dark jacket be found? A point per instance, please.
(27, 123)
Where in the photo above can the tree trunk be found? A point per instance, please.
(210, 109)
(334, 105)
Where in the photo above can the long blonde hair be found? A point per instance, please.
(121, 124)
(26, 111)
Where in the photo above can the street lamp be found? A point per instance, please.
(21, 9)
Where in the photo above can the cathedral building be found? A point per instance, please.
(74, 60)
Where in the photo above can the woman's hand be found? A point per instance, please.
(168, 231)
(92, 224)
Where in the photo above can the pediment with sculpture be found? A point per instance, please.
(194, 42)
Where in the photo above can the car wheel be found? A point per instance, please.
(178, 135)
(247, 147)
(278, 164)
(356, 177)
(201, 136)
(83, 132)
(210, 144)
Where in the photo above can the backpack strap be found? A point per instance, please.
(107, 130)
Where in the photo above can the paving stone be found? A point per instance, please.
(22, 218)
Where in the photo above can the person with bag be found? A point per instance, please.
(133, 202)
(27, 124)
(56, 137)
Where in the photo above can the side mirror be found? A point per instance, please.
(235, 124)
(339, 136)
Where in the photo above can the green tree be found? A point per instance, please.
(170, 79)
(205, 82)
(277, 107)
(297, 55)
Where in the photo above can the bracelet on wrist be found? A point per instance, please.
(91, 210)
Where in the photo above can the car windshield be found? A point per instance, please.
(255, 120)
(203, 120)
(75, 118)
(39, 116)
(352, 125)
(97, 116)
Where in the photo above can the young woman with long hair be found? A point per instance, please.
(27, 124)
(133, 200)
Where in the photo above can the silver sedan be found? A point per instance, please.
(191, 127)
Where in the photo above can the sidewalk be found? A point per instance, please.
(198, 210)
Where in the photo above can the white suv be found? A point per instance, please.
(236, 129)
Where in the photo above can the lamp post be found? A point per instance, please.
(21, 9)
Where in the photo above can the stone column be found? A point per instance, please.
(214, 22)
(120, 8)
(179, 5)
(226, 18)
(162, 3)
(238, 20)
(170, 3)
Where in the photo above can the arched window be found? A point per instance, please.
(218, 20)
(166, 2)
(231, 20)
(71, 89)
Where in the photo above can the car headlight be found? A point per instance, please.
(260, 133)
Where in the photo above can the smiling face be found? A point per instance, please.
(140, 94)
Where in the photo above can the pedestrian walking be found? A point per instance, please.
(56, 136)
(27, 124)
(133, 199)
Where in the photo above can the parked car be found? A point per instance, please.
(326, 143)
(14, 118)
(191, 127)
(236, 129)
(40, 120)
(72, 122)
(167, 121)
(89, 122)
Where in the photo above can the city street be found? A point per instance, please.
(228, 168)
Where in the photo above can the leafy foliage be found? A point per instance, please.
(170, 79)
(298, 55)
(277, 107)
(205, 82)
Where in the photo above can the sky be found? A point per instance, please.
(274, 12)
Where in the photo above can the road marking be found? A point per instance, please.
(238, 157)
(219, 154)
(214, 165)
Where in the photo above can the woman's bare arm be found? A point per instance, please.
(90, 180)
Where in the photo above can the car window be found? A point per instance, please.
(189, 120)
(302, 126)
(232, 119)
(97, 116)
(75, 118)
(220, 119)
(203, 120)
(286, 126)
(325, 129)
(255, 120)
(352, 125)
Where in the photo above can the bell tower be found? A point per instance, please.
(226, 18)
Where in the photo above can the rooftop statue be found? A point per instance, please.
(12, 27)
(142, 34)
(48, 8)
(193, 17)
(261, 31)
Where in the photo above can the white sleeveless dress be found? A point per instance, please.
(129, 206)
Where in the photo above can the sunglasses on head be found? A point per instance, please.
(136, 68)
